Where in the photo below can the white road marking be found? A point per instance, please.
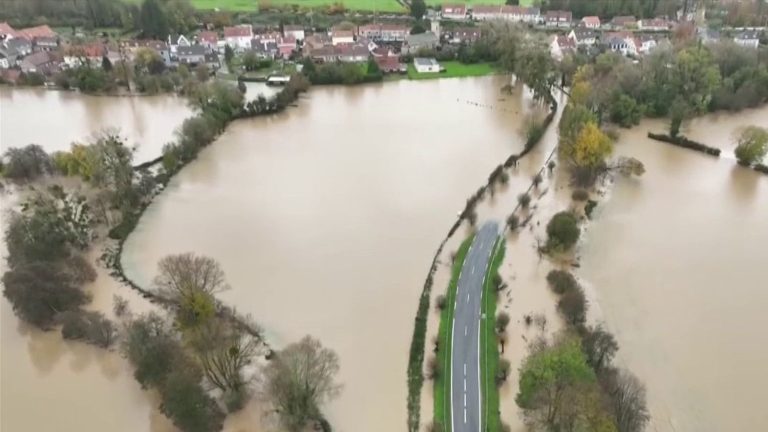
(465, 370)
(465, 415)
(465, 333)
(473, 269)
(479, 398)
(465, 385)
(467, 297)
(465, 398)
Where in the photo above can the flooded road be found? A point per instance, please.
(678, 261)
(325, 219)
(55, 119)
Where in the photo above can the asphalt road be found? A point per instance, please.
(465, 347)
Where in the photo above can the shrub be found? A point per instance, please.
(524, 200)
(433, 368)
(752, 145)
(551, 165)
(513, 221)
(441, 302)
(89, 327)
(562, 231)
(502, 320)
(590, 207)
(27, 163)
(580, 195)
(537, 179)
(573, 306)
(561, 281)
(502, 371)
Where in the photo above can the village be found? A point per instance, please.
(397, 46)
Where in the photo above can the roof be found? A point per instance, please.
(454, 9)
(655, 22)
(421, 38)
(624, 20)
(17, 43)
(6, 29)
(559, 15)
(467, 31)
(423, 61)
(584, 33)
(292, 28)
(288, 40)
(263, 46)
(192, 50)
(389, 63)
(485, 9)
(90, 50)
(383, 27)
(37, 59)
(565, 42)
(519, 10)
(354, 50)
(36, 32)
(46, 40)
(241, 30)
(208, 37)
(342, 33)
(591, 20)
(748, 35)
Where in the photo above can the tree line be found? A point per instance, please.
(612, 8)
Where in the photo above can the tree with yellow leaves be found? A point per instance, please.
(591, 147)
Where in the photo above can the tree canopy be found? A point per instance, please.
(752, 145)
(562, 231)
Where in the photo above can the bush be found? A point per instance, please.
(590, 207)
(513, 221)
(524, 200)
(441, 302)
(625, 111)
(89, 327)
(502, 320)
(502, 371)
(573, 306)
(752, 145)
(562, 231)
(580, 195)
(561, 281)
(27, 163)
(537, 179)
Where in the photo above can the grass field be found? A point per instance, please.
(475, 2)
(253, 5)
(443, 381)
(454, 69)
(489, 351)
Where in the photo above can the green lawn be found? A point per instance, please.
(476, 2)
(489, 351)
(443, 381)
(253, 5)
(454, 69)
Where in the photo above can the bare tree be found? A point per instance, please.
(599, 346)
(183, 276)
(299, 380)
(627, 395)
(223, 353)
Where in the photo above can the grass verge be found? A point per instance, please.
(254, 5)
(489, 348)
(442, 382)
(454, 69)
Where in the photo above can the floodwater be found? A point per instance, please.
(325, 220)
(56, 119)
(677, 259)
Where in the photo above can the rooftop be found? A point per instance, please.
(423, 61)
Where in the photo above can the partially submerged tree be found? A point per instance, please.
(562, 231)
(752, 145)
(299, 380)
(26, 163)
(599, 346)
(627, 400)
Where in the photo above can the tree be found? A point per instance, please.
(39, 291)
(106, 64)
(524, 200)
(151, 348)
(298, 380)
(627, 400)
(502, 320)
(535, 67)
(591, 148)
(229, 54)
(752, 145)
(418, 27)
(513, 2)
(250, 61)
(599, 346)
(549, 379)
(188, 405)
(418, 9)
(573, 306)
(625, 111)
(562, 231)
(88, 326)
(154, 20)
(27, 163)
(561, 281)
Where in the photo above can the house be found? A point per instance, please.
(45, 43)
(81, 55)
(384, 32)
(175, 41)
(624, 22)
(454, 12)
(316, 40)
(6, 31)
(352, 53)
(709, 36)
(415, 42)
(264, 49)
(655, 24)
(286, 46)
(191, 55)
(322, 54)
(208, 39)
(622, 43)
(40, 62)
(426, 65)
(645, 44)
(390, 63)
(294, 31)
(583, 36)
(160, 47)
(558, 18)
(8, 57)
(748, 39)
(239, 37)
(20, 45)
(529, 15)
(31, 33)
(342, 37)
(465, 35)
(561, 45)
(486, 13)
(590, 22)
(212, 60)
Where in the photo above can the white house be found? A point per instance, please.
(583, 37)
(561, 45)
(239, 37)
(621, 43)
(590, 22)
(558, 18)
(296, 31)
(645, 44)
(342, 37)
(748, 39)
(454, 12)
(426, 65)
(655, 24)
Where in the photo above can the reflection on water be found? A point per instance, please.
(55, 119)
(678, 261)
(325, 219)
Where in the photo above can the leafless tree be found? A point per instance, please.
(299, 380)
(599, 346)
(182, 276)
(628, 404)
(223, 353)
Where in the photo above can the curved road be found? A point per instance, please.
(465, 344)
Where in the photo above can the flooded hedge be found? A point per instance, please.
(684, 142)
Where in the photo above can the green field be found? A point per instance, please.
(253, 5)
(476, 2)
(454, 69)
(489, 351)
(443, 381)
